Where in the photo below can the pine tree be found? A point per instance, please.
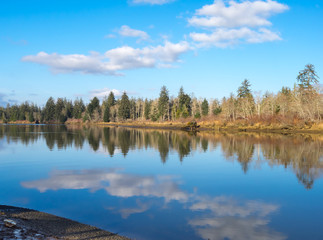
(154, 113)
(111, 100)
(124, 107)
(106, 115)
(58, 110)
(31, 116)
(147, 109)
(246, 103)
(68, 108)
(205, 107)
(93, 105)
(49, 110)
(185, 103)
(78, 108)
(244, 90)
(163, 102)
(307, 78)
(4, 117)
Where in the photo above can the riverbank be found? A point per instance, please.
(31, 224)
(224, 126)
(209, 125)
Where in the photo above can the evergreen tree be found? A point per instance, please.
(68, 108)
(147, 107)
(14, 113)
(205, 107)
(49, 110)
(111, 100)
(181, 98)
(244, 90)
(93, 105)
(163, 102)
(4, 117)
(185, 102)
(307, 78)
(245, 101)
(58, 110)
(23, 110)
(124, 107)
(286, 91)
(106, 115)
(78, 108)
(154, 113)
(31, 116)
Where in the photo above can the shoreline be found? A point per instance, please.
(32, 224)
(206, 126)
(230, 129)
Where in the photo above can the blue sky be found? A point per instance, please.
(88, 48)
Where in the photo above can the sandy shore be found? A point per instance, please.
(32, 224)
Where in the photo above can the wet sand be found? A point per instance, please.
(31, 224)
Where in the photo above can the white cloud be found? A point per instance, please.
(237, 14)
(126, 31)
(227, 37)
(110, 36)
(235, 22)
(152, 2)
(60, 63)
(112, 61)
(101, 93)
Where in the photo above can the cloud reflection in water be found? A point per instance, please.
(115, 183)
(213, 218)
(225, 218)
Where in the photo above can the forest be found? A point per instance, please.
(303, 102)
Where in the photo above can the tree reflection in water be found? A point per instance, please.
(302, 153)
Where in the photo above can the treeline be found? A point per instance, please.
(304, 101)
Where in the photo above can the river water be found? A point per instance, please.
(151, 184)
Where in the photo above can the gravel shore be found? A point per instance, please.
(31, 224)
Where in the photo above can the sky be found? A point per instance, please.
(82, 48)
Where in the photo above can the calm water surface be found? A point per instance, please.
(149, 184)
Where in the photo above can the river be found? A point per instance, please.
(158, 184)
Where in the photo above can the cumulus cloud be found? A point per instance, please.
(236, 22)
(126, 31)
(152, 2)
(112, 61)
(227, 37)
(237, 14)
(101, 93)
